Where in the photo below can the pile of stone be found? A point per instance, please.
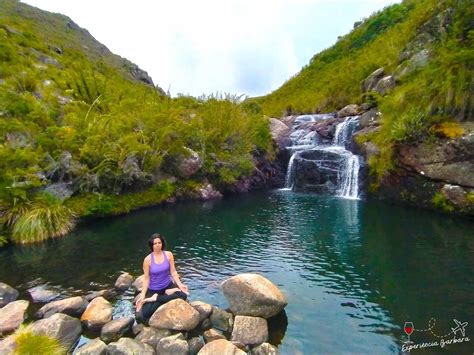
(177, 327)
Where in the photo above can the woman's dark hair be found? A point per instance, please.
(155, 236)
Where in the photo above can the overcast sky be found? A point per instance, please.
(206, 46)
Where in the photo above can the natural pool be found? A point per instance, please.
(353, 271)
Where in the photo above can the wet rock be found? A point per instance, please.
(73, 306)
(42, 294)
(222, 347)
(176, 314)
(195, 344)
(212, 334)
(94, 347)
(60, 326)
(116, 329)
(264, 349)
(253, 295)
(204, 309)
(173, 345)
(250, 330)
(97, 314)
(124, 281)
(152, 336)
(349, 110)
(455, 194)
(207, 192)
(222, 319)
(370, 118)
(7, 294)
(12, 315)
(128, 346)
(326, 128)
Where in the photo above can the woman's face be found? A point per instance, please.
(157, 244)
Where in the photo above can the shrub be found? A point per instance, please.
(47, 218)
(28, 343)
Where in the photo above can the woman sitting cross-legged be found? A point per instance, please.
(161, 282)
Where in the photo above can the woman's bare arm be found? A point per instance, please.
(174, 274)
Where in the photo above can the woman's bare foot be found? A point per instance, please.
(170, 291)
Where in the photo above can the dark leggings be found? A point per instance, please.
(149, 308)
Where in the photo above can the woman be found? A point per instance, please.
(161, 282)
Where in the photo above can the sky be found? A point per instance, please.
(200, 47)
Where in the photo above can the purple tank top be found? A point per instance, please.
(159, 273)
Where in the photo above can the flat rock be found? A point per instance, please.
(60, 326)
(152, 336)
(173, 345)
(12, 315)
(124, 281)
(94, 347)
(116, 329)
(221, 347)
(73, 306)
(97, 314)
(250, 330)
(176, 314)
(253, 295)
(7, 294)
(204, 309)
(128, 346)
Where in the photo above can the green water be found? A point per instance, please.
(353, 272)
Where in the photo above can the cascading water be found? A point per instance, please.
(320, 164)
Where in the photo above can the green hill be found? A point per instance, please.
(425, 51)
(84, 132)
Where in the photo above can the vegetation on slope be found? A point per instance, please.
(72, 115)
(427, 100)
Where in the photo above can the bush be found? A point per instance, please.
(28, 343)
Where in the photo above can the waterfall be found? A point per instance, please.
(289, 173)
(325, 165)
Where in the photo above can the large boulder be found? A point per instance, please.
(73, 306)
(279, 131)
(369, 83)
(94, 347)
(176, 314)
(221, 347)
(12, 315)
(253, 295)
(7, 294)
(128, 346)
(60, 326)
(385, 84)
(97, 314)
(152, 336)
(124, 281)
(138, 283)
(173, 345)
(250, 330)
(116, 329)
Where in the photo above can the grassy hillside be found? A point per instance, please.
(76, 116)
(437, 94)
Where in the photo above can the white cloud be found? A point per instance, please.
(208, 46)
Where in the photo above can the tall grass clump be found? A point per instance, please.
(47, 217)
(29, 343)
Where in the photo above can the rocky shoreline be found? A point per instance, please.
(177, 327)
